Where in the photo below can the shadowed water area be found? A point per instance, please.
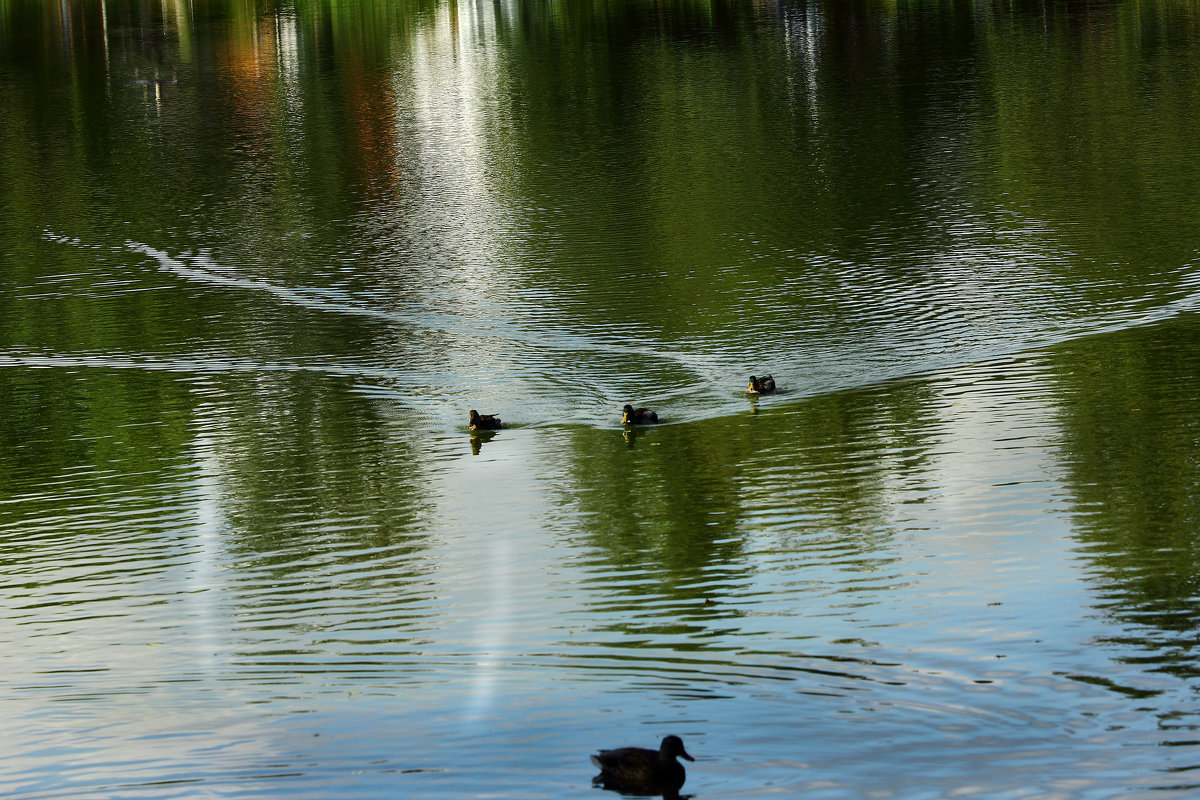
(259, 259)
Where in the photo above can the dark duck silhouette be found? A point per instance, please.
(483, 422)
(637, 416)
(636, 770)
(763, 385)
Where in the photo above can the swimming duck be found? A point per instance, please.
(763, 385)
(483, 422)
(637, 416)
(636, 770)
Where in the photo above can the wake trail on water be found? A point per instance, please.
(505, 360)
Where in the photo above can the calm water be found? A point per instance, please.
(258, 260)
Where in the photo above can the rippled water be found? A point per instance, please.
(258, 261)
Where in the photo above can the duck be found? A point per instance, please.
(637, 416)
(637, 770)
(483, 422)
(763, 385)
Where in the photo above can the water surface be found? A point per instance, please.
(258, 260)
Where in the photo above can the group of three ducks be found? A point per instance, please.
(629, 415)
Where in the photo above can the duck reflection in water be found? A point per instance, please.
(637, 770)
(479, 438)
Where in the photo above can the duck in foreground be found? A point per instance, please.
(483, 422)
(763, 385)
(636, 770)
(637, 416)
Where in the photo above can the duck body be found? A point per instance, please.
(763, 385)
(637, 770)
(483, 422)
(638, 416)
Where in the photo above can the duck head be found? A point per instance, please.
(671, 747)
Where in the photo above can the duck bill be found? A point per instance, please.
(625, 419)
(685, 755)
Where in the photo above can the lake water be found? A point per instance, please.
(259, 259)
